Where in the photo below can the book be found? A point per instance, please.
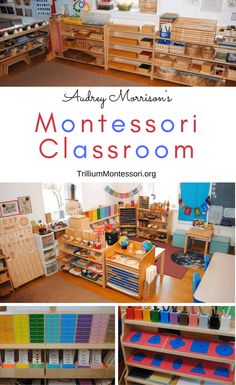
(161, 378)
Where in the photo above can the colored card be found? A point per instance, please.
(186, 381)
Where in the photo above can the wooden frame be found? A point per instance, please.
(14, 210)
(24, 204)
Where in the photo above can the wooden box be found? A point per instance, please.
(79, 222)
(145, 55)
(144, 69)
(122, 52)
(122, 66)
(124, 27)
(232, 73)
(146, 42)
(148, 28)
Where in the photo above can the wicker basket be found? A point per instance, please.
(192, 50)
(148, 6)
(207, 52)
(162, 47)
(179, 49)
(166, 73)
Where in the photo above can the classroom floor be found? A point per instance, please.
(59, 72)
(64, 287)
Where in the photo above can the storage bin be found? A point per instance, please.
(178, 238)
(220, 244)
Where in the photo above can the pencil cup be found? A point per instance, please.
(130, 312)
(165, 316)
(174, 317)
(146, 314)
(225, 322)
(184, 318)
(138, 312)
(155, 315)
(203, 321)
(193, 319)
(214, 322)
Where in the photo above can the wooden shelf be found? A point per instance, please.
(137, 380)
(104, 219)
(182, 374)
(159, 325)
(45, 346)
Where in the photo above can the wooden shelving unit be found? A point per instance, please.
(79, 42)
(130, 49)
(126, 271)
(22, 43)
(99, 324)
(154, 224)
(170, 332)
(6, 286)
(128, 221)
(84, 259)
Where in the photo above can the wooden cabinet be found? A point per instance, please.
(128, 220)
(78, 42)
(5, 281)
(130, 49)
(47, 250)
(126, 269)
(22, 43)
(154, 224)
(38, 334)
(18, 245)
(178, 350)
(81, 260)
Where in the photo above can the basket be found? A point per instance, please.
(166, 73)
(124, 6)
(164, 60)
(207, 52)
(148, 6)
(162, 47)
(191, 79)
(192, 50)
(179, 49)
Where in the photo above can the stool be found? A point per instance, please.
(13, 60)
(219, 243)
(178, 238)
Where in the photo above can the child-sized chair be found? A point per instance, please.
(207, 260)
(196, 279)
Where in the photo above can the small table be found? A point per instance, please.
(202, 234)
(160, 253)
(218, 282)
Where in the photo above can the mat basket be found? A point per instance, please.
(148, 6)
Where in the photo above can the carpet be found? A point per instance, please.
(191, 260)
(55, 288)
(63, 73)
(170, 268)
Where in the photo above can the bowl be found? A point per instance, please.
(124, 6)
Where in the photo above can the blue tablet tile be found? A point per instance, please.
(157, 360)
(224, 350)
(198, 369)
(222, 371)
(136, 337)
(177, 343)
(177, 364)
(139, 356)
(155, 340)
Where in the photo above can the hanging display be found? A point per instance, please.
(126, 195)
(202, 209)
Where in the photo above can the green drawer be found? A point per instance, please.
(36, 316)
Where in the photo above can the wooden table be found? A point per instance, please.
(160, 253)
(218, 282)
(202, 234)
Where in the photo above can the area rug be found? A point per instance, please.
(170, 268)
(53, 289)
(191, 259)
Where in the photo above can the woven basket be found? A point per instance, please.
(207, 52)
(148, 6)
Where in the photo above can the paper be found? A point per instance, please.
(213, 6)
(186, 381)
(215, 214)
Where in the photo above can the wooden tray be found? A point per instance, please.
(125, 28)
(124, 40)
(122, 52)
(122, 66)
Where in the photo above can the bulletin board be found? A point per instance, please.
(193, 196)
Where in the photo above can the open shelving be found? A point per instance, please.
(128, 220)
(151, 346)
(154, 224)
(94, 329)
(6, 286)
(22, 43)
(76, 256)
(47, 250)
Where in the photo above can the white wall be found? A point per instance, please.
(10, 191)
(94, 195)
(182, 9)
